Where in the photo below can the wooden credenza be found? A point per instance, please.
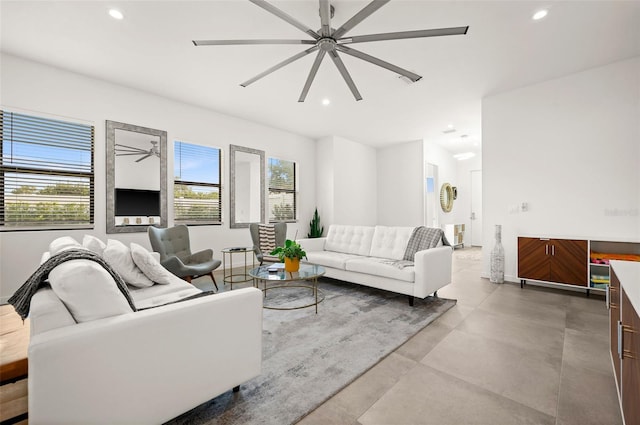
(553, 260)
(624, 309)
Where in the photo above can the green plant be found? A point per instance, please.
(315, 231)
(291, 250)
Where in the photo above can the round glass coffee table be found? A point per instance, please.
(308, 273)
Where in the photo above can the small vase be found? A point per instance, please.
(291, 264)
(497, 258)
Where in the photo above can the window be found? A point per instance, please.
(282, 190)
(197, 198)
(46, 173)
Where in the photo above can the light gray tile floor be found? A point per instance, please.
(503, 355)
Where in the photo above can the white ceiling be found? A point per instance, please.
(151, 50)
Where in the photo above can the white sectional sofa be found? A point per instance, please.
(140, 367)
(366, 255)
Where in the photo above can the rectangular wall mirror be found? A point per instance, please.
(136, 178)
(247, 186)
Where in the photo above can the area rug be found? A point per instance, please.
(307, 358)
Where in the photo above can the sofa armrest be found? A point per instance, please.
(148, 366)
(433, 270)
(312, 244)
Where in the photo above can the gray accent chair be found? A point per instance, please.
(175, 253)
(281, 235)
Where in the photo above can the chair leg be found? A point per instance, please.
(214, 280)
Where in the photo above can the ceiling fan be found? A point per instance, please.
(330, 41)
(124, 150)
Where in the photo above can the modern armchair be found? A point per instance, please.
(261, 247)
(175, 253)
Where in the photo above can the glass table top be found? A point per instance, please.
(307, 271)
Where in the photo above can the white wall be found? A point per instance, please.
(568, 147)
(31, 87)
(346, 182)
(401, 187)
(324, 182)
(462, 205)
(447, 173)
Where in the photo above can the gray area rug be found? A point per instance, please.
(307, 358)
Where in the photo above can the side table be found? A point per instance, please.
(230, 277)
(14, 342)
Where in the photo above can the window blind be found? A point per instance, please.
(282, 190)
(46, 173)
(197, 191)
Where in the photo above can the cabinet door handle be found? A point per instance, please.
(546, 250)
(553, 250)
(625, 354)
(607, 299)
(619, 339)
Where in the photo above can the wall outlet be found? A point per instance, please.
(524, 207)
(514, 209)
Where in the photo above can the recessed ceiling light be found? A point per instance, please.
(325, 102)
(463, 156)
(450, 126)
(116, 14)
(540, 14)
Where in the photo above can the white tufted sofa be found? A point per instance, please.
(364, 255)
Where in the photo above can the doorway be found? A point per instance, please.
(476, 208)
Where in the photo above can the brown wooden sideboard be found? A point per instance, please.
(624, 309)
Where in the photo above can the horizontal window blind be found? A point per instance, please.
(197, 197)
(46, 172)
(282, 190)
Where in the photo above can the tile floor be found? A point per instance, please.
(502, 355)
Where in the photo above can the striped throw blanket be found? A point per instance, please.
(267, 238)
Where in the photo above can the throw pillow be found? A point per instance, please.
(118, 255)
(93, 244)
(62, 243)
(87, 290)
(146, 261)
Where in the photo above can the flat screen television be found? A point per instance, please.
(135, 202)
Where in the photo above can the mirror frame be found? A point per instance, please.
(232, 184)
(446, 197)
(112, 126)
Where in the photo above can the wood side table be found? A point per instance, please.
(14, 366)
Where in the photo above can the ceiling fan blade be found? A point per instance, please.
(144, 157)
(286, 17)
(235, 42)
(280, 65)
(129, 149)
(404, 34)
(325, 18)
(312, 75)
(391, 67)
(359, 17)
(345, 74)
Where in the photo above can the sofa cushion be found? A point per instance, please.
(162, 294)
(381, 267)
(150, 266)
(47, 312)
(390, 242)
(349, 239)
(87, 290)
(336, 260)
(93, 244)
(118, 255)
(63, 243)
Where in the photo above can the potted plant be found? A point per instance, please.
(290, 254)
(315, 230)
